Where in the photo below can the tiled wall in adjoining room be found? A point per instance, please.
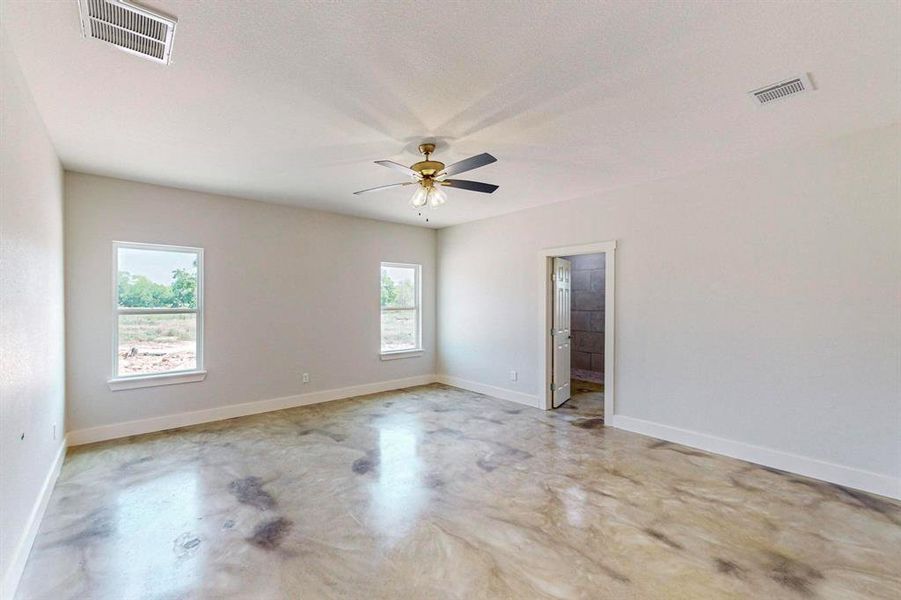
(588, 272)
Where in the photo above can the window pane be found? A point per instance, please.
(157, 278)
(398, 287)
(157, 343)
(398, 329)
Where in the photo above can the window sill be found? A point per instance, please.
(401, 354)
(142, 381)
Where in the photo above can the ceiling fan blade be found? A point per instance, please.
(473, 186)
(385, 187)
(398, 167)
(468, 164)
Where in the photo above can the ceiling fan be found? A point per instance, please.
(432, 175)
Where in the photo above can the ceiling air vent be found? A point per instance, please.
(128, 27)
(783, 89)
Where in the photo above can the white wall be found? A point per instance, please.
(288, 290)
(756, 301)
(32, 377)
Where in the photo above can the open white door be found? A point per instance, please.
(561, 333)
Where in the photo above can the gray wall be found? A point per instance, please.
(32, 377)
(756, 301)
(287, 291)
(588, 272)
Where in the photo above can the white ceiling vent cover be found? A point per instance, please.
(128, 27)
(781, 90)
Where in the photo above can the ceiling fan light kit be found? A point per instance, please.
(432, 175)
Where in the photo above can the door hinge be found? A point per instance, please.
(552, 386)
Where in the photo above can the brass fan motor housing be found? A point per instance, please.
(428, 168)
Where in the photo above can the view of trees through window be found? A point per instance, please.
(155, 334)
(400, 313)
(139, 291)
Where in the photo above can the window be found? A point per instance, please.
(401, 318)
(158, 320)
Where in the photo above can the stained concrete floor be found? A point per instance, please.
(587, 398)
(434, 492)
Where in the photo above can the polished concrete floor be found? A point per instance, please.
(434, 492)
(587, 399)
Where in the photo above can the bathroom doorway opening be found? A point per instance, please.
(586, 332)
(578, 339)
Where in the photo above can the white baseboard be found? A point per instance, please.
(810, 467)
(119, 430)
(490, 390)
(23, 548)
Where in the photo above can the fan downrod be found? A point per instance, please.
(426, 149)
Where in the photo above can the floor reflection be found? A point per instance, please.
(156, 524)
(398, 496)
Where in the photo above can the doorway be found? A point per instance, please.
(586, 307)
(577, 342)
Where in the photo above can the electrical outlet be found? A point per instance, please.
(306, 378)
(513, 375)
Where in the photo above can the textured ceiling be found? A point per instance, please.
(291, 102)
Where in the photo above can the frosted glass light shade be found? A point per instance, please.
(420, 197)
(437, 197)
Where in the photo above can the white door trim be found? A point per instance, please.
(545, 319)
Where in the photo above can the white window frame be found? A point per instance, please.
(417, 284)
(126, 382)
